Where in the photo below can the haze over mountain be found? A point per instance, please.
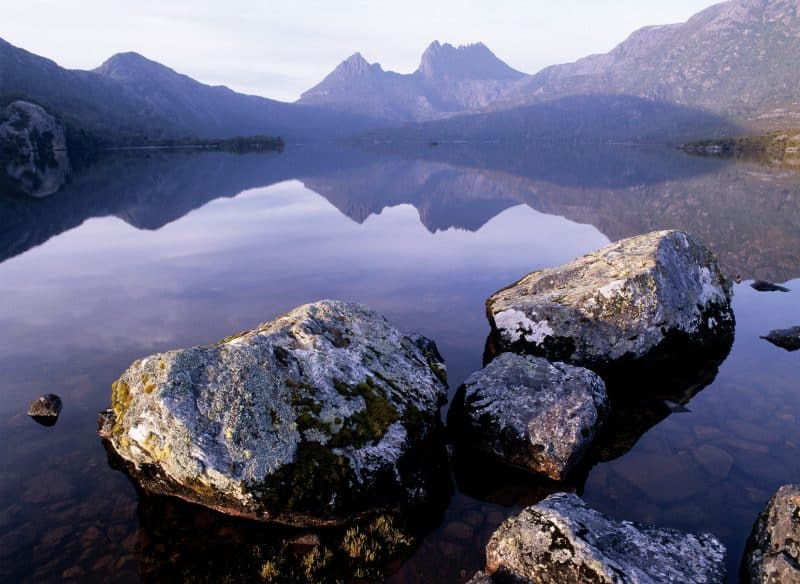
(130, 96)
(737, 59)
(449, 80)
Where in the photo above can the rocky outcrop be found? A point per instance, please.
(563, 540)
(530, 413)
(646, 296)
(317, 417)
(773, 550)
(34, 145)
(788, 339)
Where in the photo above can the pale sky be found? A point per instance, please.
(279, 49)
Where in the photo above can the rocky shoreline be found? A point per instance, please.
(329, 415)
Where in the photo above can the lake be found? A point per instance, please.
(148, 251)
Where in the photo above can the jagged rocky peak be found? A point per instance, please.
(474, 61)
(356, 66)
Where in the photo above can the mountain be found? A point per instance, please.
(449, 80)
(734, 63)
(737, 59)
(129, 98)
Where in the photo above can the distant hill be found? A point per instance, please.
(131, 98)
(737, 59)
(449, 80)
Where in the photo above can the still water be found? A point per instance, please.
(145, 252)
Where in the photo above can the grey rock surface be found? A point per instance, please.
(34, 147)
(45, 406)
(773, 551)
(563, 540)
(530, 413)
(319, 416)
(634, 298)
(788, 339)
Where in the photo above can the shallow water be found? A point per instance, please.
(144, 253)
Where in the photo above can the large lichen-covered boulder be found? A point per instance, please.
(643, 296)
(317, 417)
(33, 148)
(773, 550)
(563, 540)
(530, 413)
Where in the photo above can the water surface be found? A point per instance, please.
(148, 252)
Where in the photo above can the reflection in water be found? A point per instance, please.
(179, 542)
(621, 191)
(139, 258)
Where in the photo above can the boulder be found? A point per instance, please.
(563, 540)
(788, 339)
(530, 413)
(34, 150)
(646, 296)
(773, 550)
(764, 286)
(45, 409)
(320, 416)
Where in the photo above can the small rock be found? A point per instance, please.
(45, 409)
(763, 286)
(305, 542)
(773, 550)
(530, 413)
(73, 573)
(788, 339)
(715, 460)
(480, 578)
(662, 292)
(563, 540)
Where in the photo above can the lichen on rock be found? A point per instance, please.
(318, 416)
(773, 550)
(626, 301)
(563, 540)
(528, 412)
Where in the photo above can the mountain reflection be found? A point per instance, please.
(746, 213)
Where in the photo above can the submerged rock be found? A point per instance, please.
(763, 286)
(319, 416)
(773, 550)
(45, 409)
(788, 339)
(563, 540)
(33, 146)
(530, 413)
(646, 296)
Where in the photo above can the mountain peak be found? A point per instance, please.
(473, 61)
(130, 64)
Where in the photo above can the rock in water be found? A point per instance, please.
(763, 286)
(319, 416)
(788, 339)
(644, 296)
(563, 540)
(33, 148)
(528, 412)
(45, 409)
(773, 550)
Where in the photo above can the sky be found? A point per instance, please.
(279, 49)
